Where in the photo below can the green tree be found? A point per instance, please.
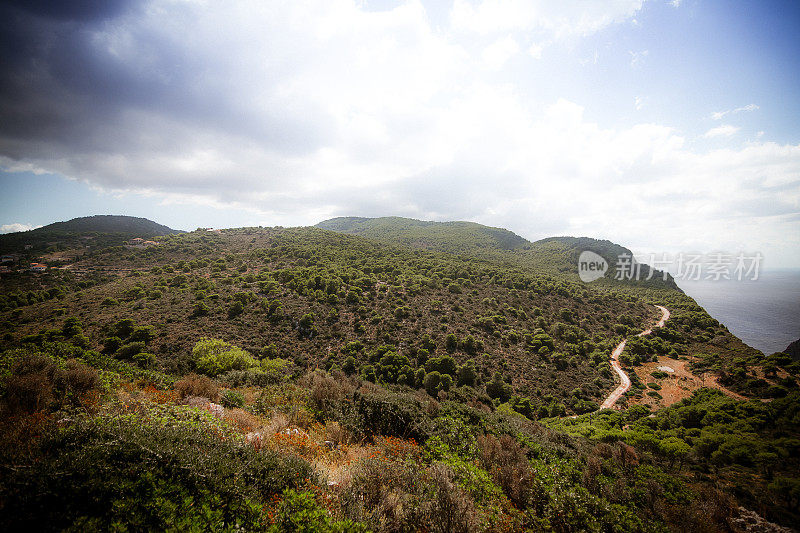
(443, 364)
(467, 374)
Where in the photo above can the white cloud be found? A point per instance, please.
(496, 54)
(297, 112)
(555, 19)
(535, 50)
(16, 226)
(725, 130)
(721, 114)
(637, 58)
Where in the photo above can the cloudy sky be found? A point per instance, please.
(666, 126)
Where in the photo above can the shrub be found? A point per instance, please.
(235, 309)
(195, 385)
(350, 365)
(37, 383)
(270, 372)
(30, 390)
(123, 328)
(368, 373)
(143, 334)
(270, 351)
(436, 382)
(129, 350)
(80, 340)
(76, 379)
(243, 420)
(144, 359)
(299, 511)
(444, 365)
(146, 474)
(111, 344)
(72, 327)
(451, 342)
(505, 459)
(232, 399)
(214, 356)
(200, 309)
(498, 389)
(467, 374)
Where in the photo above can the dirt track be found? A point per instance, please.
(625, 381)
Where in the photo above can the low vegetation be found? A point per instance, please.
(299, 379)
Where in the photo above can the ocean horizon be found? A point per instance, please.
(764, 313)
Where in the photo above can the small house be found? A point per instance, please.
(38, 267)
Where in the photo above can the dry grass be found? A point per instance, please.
(505, 460)
(243, 420)
(195, 385)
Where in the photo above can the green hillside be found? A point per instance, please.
(97, 230)
(560, 255)
(555, 256)
(453, 237)
(386, 376)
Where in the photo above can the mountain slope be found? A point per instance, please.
(554, 256)
(141, 227)
(350, 369)
(105, 229)
(561, 254)
(453, 237)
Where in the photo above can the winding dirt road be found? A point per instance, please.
(625, 381)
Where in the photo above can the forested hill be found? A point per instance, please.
(561, 253)
(109, 224)
(255, 379)
(555, 256)
(107, 228)
(454, 237)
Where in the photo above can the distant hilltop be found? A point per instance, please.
(109, 228)
(447, 236)
(553, 255)
(141, 227)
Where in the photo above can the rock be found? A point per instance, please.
(750, 522)
(216, 409)
(253, 437)
(196, 401)
(793, 350)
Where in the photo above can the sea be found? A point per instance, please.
(764, 313)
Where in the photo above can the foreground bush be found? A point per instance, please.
(36, 383)
(144, 473)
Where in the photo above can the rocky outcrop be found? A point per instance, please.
(750, 522)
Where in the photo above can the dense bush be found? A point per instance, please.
(139, 473)
(37, 383)
(214, 356)
(232, 399)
